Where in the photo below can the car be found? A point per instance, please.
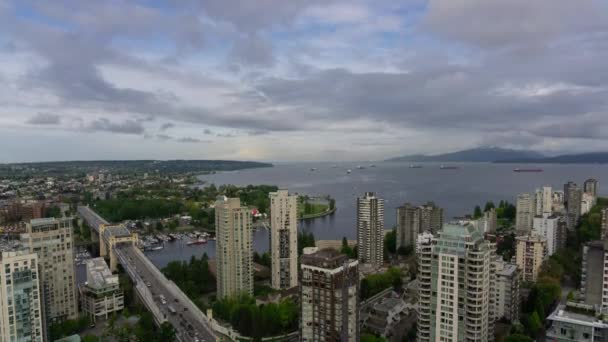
(185, 309)
(177, 301)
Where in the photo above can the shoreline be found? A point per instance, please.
(318, 215)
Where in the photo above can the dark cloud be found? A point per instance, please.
(498, 23)
(166, 126)
(250, 16)
(163, 137)
(190, 140)
(44, 119)
(254, 50)
(125, 127)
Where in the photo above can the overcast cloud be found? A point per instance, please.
(300, 80)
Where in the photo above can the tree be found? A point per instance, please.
(405, 250)
(534, 323)
(489, 206)
(477, 212)
(305, 240)
(346, 249)
(166, 333)
(366, 337)
(518, 338)
(390, 242)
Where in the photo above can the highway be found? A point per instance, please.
(188, 326)
(189, 322)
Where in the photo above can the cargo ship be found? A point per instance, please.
(527, 170)
(444, 167)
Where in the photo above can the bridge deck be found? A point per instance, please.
(151, 284)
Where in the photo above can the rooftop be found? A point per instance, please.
(99, 274)
(325, 258)
(508, 270)
(116, 231)
(580, 314)
(43, 221)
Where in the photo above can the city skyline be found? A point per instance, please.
(293, 80)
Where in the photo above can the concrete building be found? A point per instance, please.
(549, 227)
(525, 213)
(558, 202)
(591, 186)
(577, 322)
(101, 295)
(51, 240)
(20, 300)
(530, 253)
(384, 315)
(594, 278)
(423, 239)
(507, 291)
(454, 286)
(543, 201)
(234, 251)
(408, 225)
(587, 202)
(413, 220)
(488, 222)
(572, 200)
(329, 297)
(113, 236)
(431, 218)
(370, 229)
(284, 239)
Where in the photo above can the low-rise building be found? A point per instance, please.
(382, 316)
(577, 322)
(101, 295)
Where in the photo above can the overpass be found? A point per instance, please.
(120, 245)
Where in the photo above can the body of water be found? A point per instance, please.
(455, 190)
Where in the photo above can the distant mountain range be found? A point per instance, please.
(480, 154)
(581, 158)
(502, 155)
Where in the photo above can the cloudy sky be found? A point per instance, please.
(288, 80)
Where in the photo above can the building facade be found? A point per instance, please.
(531, 251)
(577, 322)
(590, 186)
(329, 297)
(572, 201)
(507, 291)
(284, 239)
(431, 218)
(408, 225)
(20, 300)
(413, 220)
(455, 282)
(51, 239)
(543, 201)
(234, 251)
(594, 273)
(525, 213)
(101, 295)
(550, 228)
(370, 229)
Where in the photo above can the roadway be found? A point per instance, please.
(91, 217)
(188, 326)
(189, 322)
